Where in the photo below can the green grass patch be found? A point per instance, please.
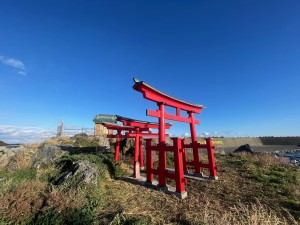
(11, 179)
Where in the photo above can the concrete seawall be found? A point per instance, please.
(264, 144)
(260, 141)
(233, 142)
(280, 140)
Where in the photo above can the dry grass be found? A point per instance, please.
(22, 159)
(159, 208)
(252, 214)
(234, 199)
(5, 185)
(267, 159)
(24, 200)
(59, 140)
(33, 145)
(238, 197)
(60, 201)
(18, 162)
(4, 163)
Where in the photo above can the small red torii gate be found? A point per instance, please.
(136, 129)
(179, 146)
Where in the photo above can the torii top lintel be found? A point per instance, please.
(154, 95)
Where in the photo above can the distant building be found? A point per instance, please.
(99, 128)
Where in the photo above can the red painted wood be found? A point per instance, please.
(154, 95)
(178, 161)
(155, 113)
(211, 158)
(149, 161)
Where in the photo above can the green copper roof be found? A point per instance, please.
(106, 118)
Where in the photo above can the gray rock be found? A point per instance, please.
(87, 170)
(47, 154)
(9, 152)
(244, 148)
(82, 170)
(19, 149)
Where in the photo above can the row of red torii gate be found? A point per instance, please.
(139, 130)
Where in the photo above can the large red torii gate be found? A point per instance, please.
(179, 145)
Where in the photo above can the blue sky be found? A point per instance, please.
(69, 60)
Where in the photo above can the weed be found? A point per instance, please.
(12, 179)
(123, 219)
(25, 200)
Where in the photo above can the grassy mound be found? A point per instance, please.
(252, 189)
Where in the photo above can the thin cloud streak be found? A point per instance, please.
(18, 134)
(18, 64)
(14, 63)
(22, 73)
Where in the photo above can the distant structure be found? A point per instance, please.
(60, 129)
(69, 131)
(101, 130)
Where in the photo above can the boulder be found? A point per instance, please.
(47, 154)
(244, 148)
(7, 152)
(74, 173)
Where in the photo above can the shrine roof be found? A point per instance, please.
(107, 118)
(113, 119)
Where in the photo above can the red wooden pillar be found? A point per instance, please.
(136, 150)
(141, 153)
(179, 174)
(161, 124)
(117, 151)
(149, 161)
(162, 154)
(194, 143)
(184, 156)
(211, 158)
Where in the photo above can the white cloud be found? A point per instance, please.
(22, 73)
(186, 134)
(18, 134)
(12, 62)
(15, 63)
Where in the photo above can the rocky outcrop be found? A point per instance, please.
(47, 154)
(244, 148)
(7, 152)
(74, 173)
